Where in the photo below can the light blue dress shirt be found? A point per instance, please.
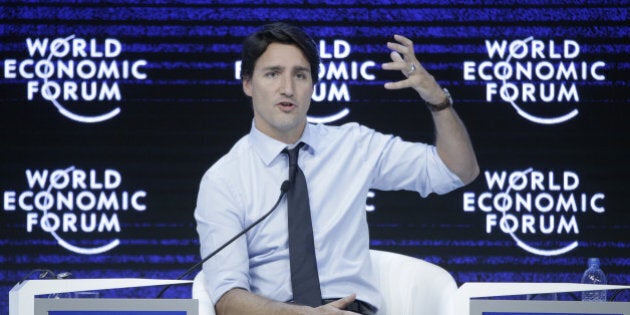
(341, 164)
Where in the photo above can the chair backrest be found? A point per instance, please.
(409, 286)
(206, 307)
(412, 286)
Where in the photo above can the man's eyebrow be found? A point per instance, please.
(281, 68)
(273, 68)
(300, 68)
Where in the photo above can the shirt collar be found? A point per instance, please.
(269, 148)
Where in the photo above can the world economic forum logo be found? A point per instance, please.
(530, 205)
(70, 203)
(79, 76)
(539, 79)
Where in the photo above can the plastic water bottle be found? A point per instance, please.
(594, 275)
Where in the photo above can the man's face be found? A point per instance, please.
(281, 88)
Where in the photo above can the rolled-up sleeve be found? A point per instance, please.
(412, 166)
(219, 218)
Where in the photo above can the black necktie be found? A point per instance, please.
(304, 277)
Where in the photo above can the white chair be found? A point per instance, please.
(409, 286)
(206, 307)
(412, 286)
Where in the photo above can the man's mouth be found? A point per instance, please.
(286, 105)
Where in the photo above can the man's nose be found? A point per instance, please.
(287, 85)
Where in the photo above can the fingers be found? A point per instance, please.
(404, 45)
(402, 55)
(397, 62)
(342, 303)
(396, 57)
(397, 85)
(403, 50)
(404, 40)
(399, 48)
(404, 60)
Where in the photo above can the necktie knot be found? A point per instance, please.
(293, 160)
(293, 153)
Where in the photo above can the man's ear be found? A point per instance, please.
(247, 86)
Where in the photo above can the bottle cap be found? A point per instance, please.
(593, 261)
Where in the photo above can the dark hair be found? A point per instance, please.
(256, 44)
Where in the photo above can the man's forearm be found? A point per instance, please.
(239, 301)
(454, 145)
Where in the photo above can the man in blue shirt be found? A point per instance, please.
(340, 165)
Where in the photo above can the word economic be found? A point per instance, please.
(74, 69)
(73, 200)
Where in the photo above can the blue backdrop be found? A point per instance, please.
(112, 110)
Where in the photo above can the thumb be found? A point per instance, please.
(342, 303)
